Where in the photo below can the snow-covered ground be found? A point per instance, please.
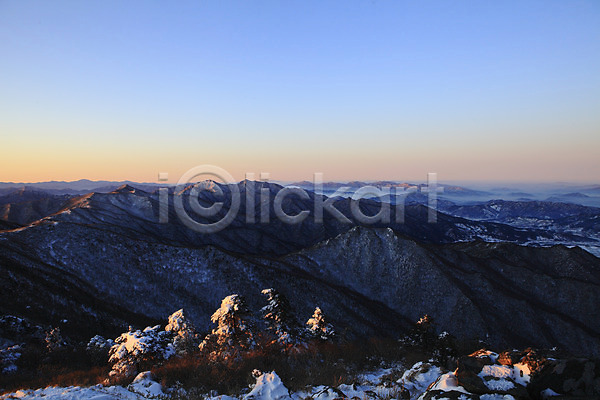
(143, 387)
(415, 383)
(268, 386)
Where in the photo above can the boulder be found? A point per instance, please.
(569, 377)
(468, 369)
(510, 357)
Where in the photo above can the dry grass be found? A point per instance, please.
(53, 376)
(66, 367)
(320, 364)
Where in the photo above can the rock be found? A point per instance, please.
(510, 357)
(519, 375)
(481, 374)
(467, 373)
(571, 377)
(533, 360)
(404, 394)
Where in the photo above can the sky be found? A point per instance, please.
(356, 90)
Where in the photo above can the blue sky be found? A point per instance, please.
(357, 90)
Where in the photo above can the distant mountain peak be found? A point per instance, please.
(125, 188)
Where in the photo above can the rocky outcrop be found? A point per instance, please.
(518, 375)
(480, 374)
(578, 378)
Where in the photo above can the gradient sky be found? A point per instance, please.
(472, 90)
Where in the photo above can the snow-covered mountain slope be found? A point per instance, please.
(559, 218)
(501, 210)
(67, 272)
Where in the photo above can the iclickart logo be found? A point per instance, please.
(189, 189)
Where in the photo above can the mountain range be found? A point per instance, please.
(98, 262)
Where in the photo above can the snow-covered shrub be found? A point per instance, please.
(280, 320)
(318, 327)
(8, 358)
(20, 330)
(233, 334)
(98, 348)
(135, 350)
(185, 338)
(54, 340)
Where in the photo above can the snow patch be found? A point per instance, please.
(521, 374)
(97, 392)
(547, 393)
(145, 385)
(496, 397)
(499, 384)
(418, 378)
(268, 387)
(448, 383)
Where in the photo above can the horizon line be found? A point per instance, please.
(445, 181)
